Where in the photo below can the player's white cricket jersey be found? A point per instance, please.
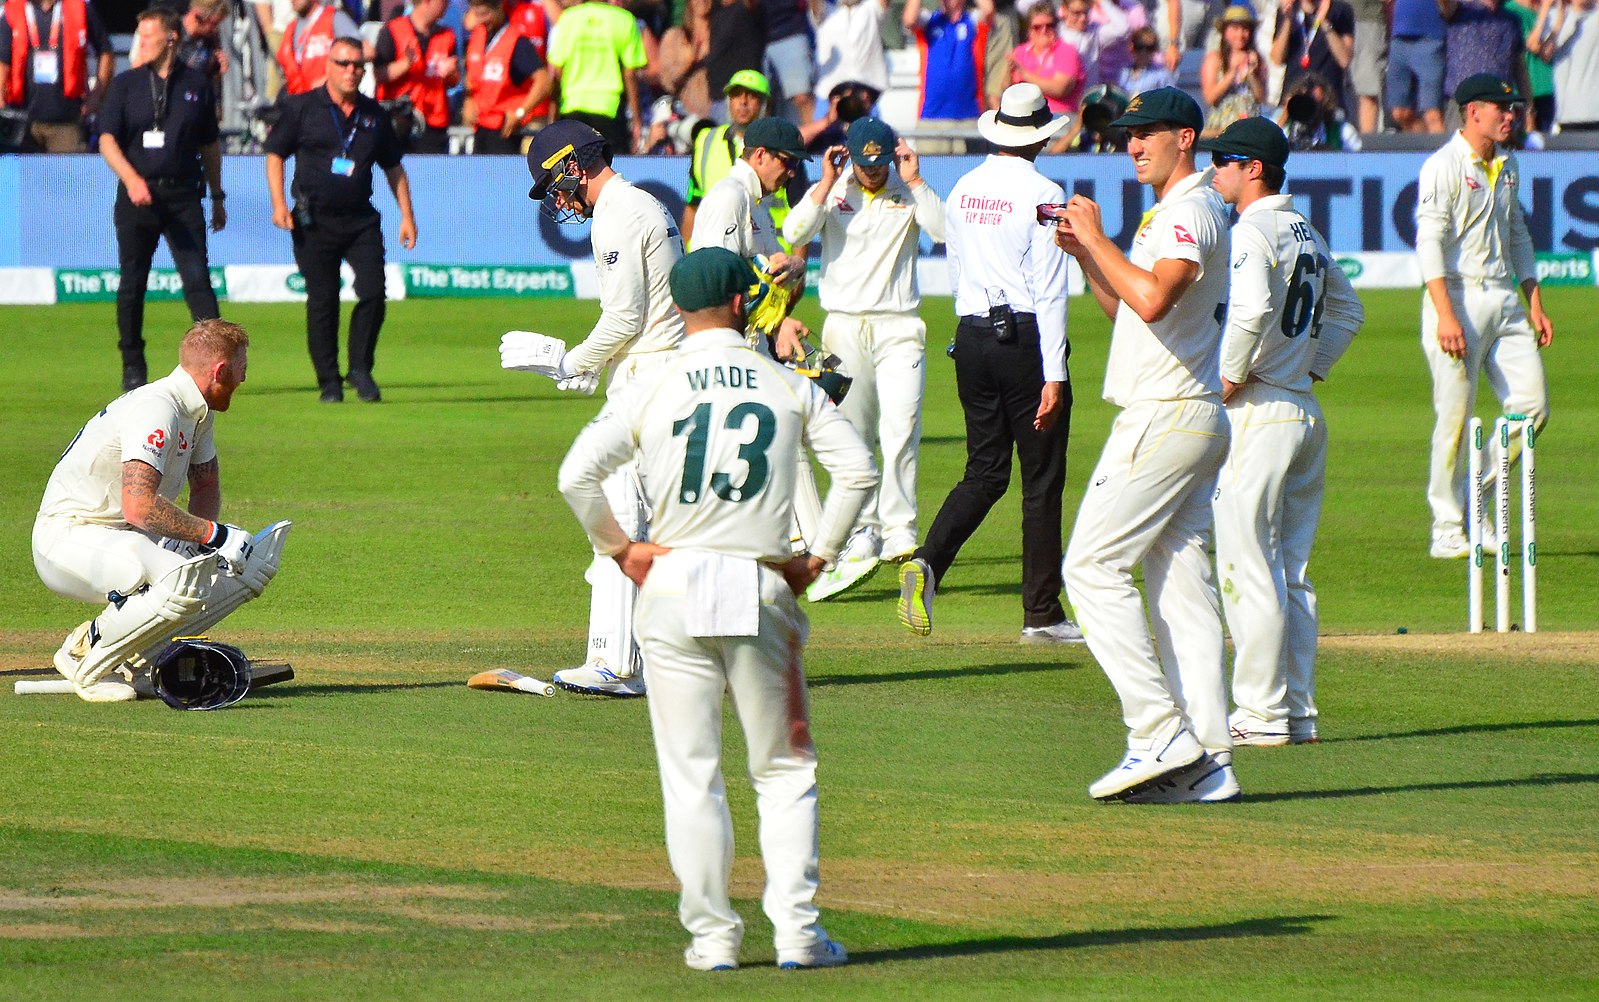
(1469, 222)
(995, 243)
(1175, 358)
(166, 424)
(716, 432)
(1291, 310)
(730, 215)
(869, 242)
(635, 245)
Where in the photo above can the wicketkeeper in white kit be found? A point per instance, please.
(108, 529)
(635, 244)
(1291, 314)
(871, 217)
(1148, 499)
(715, 433)
(1474, 249)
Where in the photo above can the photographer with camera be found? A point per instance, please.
(415, 60)
(1313, 120)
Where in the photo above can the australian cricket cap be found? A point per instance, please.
(710, 276)
(871, 142)
(1162, 106)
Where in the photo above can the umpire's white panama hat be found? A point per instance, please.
(1022, 119)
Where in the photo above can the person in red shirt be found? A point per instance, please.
(303, 53)
(45, 48)
(505, 79)
(415, 58)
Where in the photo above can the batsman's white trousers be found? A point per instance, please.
(1499, 342)
(885, 354)
(88, 562)
(687, 677)
(1148, 502)
(1268, 504)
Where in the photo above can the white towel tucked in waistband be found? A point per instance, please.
(724, 596)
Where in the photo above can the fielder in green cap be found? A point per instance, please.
(709, 277)
(717, 149)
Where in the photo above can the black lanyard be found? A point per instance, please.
(159, 92)
(348, 139)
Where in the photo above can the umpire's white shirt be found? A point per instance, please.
(1291, 310)
(1469, 222)
(635, 245)
(166, 424)
(1175, 358)
(996, 245)
(870, 242)
(717, 431)
(730, 215)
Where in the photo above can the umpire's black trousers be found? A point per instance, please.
(174, 212)
(331, 238)
(1000, 386)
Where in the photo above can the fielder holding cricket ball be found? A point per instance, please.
(635, 245)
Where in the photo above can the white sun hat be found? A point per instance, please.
(1023, 118)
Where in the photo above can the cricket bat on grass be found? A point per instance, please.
(506, 679)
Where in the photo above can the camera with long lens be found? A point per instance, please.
(1102, 105)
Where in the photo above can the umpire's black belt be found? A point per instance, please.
(1026, 323)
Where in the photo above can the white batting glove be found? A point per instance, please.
(525, 351)
(182, 547)
(583, 382)
(232, 546)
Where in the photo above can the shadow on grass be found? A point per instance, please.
(1278, 925)
(929, 674)
(1539, 779)
(1439, 732)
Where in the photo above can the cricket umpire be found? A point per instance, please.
(1010, 366)
(1474, 248)
(158, 134)
(716, 433)
(1148, 499)
(337, 135)
(871, 217)
(1291, 314)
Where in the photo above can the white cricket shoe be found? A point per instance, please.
(69, 659)
(825, 952)
(1251, 732)
(1303, 732)
(111, 689)
(1063, 632)
(898, 549)
(856, 562)
(1207, 781)
(1141, 767)
(1450, 544)
(916, 589)
(594, 679)
(709, 961)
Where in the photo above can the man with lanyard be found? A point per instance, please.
(338, 134)
(303, 53)
(158, 133)
(717, 149)
(1149, 499)
(871, 218)
(415, 58)
(506, 81)
(635, 245)
(1010, 354)
(1476, 252)
(1314, 36)
(44, 68)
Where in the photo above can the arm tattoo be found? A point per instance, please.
(201, 472)
(140, 480)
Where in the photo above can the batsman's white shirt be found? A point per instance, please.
(1291, 314)
(635, 245)
(869, 242)
(165, 424)
(1175, 357)
(1002, 249)
(717, 429)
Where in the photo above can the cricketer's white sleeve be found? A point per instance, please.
(601, 448)
(804, 220)
(1341, 317)
(1249, 301)
(1522, 257)
(929, 211)
(1435, 197)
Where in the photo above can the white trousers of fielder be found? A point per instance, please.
(1268, 504)
(885, 354)
(687, 677)
(1148, 502)
(1500, 343)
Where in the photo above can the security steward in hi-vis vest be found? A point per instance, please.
(717, 149)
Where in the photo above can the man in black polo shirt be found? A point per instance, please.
(336, 135)
(159, 135)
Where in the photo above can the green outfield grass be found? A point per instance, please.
(376, 830)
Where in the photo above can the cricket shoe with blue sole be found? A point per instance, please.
(1142, 768)
(1211, 780)
(825, 952)
(595, 679)
(710, 961)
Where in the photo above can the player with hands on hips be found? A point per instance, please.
(717, 609)
(1475, 249)
(108, 529)
(1291, 314)
(871, 207)
(731, 216)
(635, 244)
(1148, 500)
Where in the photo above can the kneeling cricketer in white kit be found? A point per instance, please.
(871, 220)
(108, 529)
(1291, 315)
(635, 245)
(715, 434)
(1148, 499)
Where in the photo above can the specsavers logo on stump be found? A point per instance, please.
(423, 281)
